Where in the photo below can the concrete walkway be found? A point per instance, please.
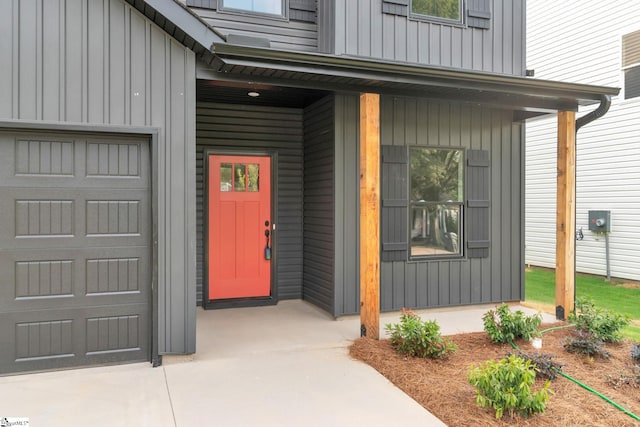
(284, 365)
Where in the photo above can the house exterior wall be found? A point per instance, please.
(347, 202)
(362, 29)
(577, 41)
(375, 29)
(263, 129)
(298, 31)
(319, 204)
(101, 63)
(435, 283)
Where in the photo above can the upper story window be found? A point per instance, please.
(631, 64)
(436, 202)
(447, 10)
(269, 7)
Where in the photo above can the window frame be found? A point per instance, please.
(461, 240)
(439, 19)
(232, 10)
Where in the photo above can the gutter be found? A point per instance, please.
(605, 103)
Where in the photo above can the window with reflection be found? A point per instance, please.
(449, 10)
(239, 177)
(270, 7)
(436, 202)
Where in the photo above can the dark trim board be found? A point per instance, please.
(241, 302)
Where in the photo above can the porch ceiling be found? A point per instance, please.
(233, 92)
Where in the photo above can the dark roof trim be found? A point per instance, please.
(181, 23)
(385, 77)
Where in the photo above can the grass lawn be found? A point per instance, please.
(540, 288)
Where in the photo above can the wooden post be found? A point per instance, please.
(566, 215)
(370, 215)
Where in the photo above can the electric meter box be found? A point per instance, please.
(600, 221)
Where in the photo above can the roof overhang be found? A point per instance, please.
(343, 73)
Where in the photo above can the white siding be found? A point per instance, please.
(580, 41)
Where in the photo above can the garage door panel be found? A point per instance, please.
(65, 338)
(41, 279)
(75, 250)
(44, 160)
(104, 219)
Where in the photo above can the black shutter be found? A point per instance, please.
(205, 4)
(632, 83)
(394, 215)
(396, 7)
(302, 10)
(478, 204)
(479, 13)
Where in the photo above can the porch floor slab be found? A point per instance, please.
(283, 365)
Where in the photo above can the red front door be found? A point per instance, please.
(239, 218)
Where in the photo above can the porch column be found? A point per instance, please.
(370, 215)
(566, 214)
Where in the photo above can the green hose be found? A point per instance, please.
(584, 386)
(570, 325)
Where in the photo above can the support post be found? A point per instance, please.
(566, 215)
(370, 215)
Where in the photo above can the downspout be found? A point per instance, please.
(605, 103)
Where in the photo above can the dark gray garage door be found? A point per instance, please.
(75, 256)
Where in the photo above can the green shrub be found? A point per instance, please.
(504, 326)
(585, 343)
(417, 338)
(602, 323)
(505, 386)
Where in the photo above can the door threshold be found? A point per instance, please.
(239, 302)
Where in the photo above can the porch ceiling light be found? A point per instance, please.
(253, 94)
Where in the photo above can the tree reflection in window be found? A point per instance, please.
(446, 9)
(239, 177)
(436, 194)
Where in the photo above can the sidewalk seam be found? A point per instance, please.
(166, 382)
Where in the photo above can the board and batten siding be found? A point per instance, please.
(362, 29)
(277, 130)
(319, 204)
(499, 277)
(101, 62)
(283, 34)
(608, 149)
(347, 202)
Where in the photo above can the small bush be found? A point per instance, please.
(635, 352)
(417, 338)
(587, 344)
(624, 379)
(544, 364)
(504, 326)
(602, 323)
(505, 386)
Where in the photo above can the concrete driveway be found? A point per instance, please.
(284, 365)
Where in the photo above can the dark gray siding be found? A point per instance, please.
(478, 280)
(362, 29)
(98, 63)
(286, 34)
(319, 204)
(326, 26)
(347, 199)
(277, 130)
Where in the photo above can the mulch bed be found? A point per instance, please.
(441, 386)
